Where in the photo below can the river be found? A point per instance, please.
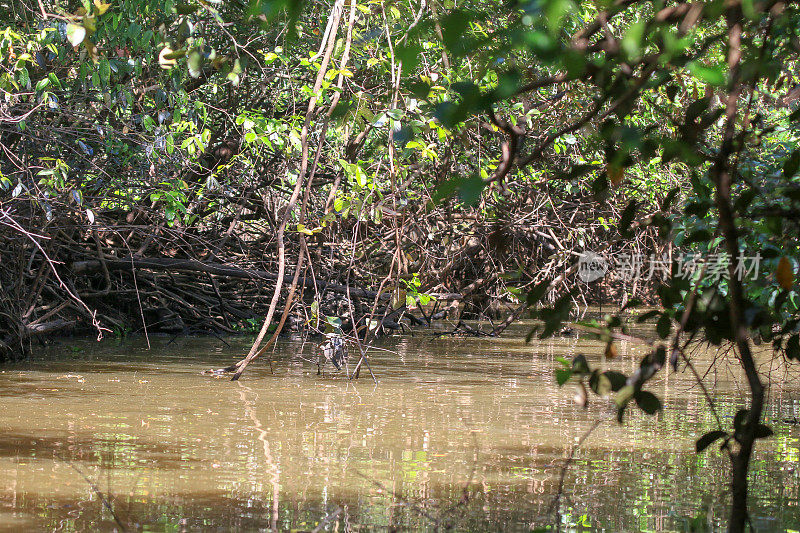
(464, 433)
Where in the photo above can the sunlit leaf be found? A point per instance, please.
(42, 84)
(91, 50)
(75, 34)
(194, 62)
(165, 58)
(100, 7)
(713, 75)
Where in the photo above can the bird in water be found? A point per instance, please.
(333, 349)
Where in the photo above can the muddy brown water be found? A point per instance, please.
(468, 434)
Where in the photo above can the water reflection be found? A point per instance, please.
(469, 434)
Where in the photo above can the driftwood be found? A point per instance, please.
(50, 327)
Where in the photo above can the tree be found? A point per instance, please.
(636, 60)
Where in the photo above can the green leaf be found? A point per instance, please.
(708, 439)
(105, 71)
(469, 189)
(186, 8)
(453, 27)
(420, 89)
(555, 316)
(672, 92)
(713, 75)
(696, 108)
(556, 11)
(632, 40)
(659, 356)
(148, 123)
(648, 402)
(563, 375)
(409, 55)
(54, 81)
(701, 235)
(42, 84)
(698, 209)
(508, 83)
(24, 78)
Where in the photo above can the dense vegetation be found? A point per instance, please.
(202, 165)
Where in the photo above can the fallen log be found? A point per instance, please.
(49, 327)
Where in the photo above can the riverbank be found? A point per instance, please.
(125, 274)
